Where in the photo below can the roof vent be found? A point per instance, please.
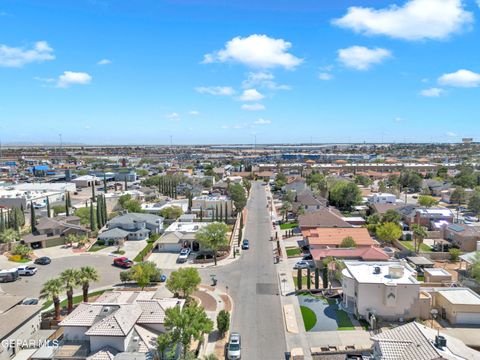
(440, 341)
(136, 339)
(377, 270)
(106, 309)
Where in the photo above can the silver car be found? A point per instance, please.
(234, 347)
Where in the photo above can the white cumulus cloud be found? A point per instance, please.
(194, 112)
(253, 107)
(325, 76)
(216, 90)
(415, 20)
(69, 78)
(362, 58)
(262, 79)
(104, 62)
(256, 51)
(262, 121)
(251, 95)
(461, 78)
(17, 57)
(173, 116)
(432, 92)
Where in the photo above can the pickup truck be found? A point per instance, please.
(27, 270)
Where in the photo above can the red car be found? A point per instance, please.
(123, 262)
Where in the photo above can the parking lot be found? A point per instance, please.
(30, 286)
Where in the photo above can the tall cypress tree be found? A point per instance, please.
(99, 214)
(126, 184)
(201, 213)
(226, 213)
(33, 222)
(67, 204)
(93, 192)
(2, 221)
(93, 225)
(221, 213)
(105, 188)
(105, 212)
(48, 207)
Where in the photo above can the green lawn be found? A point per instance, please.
(96, 247)
(76, 299)
(293, 252)
(410, 245)
(144, 252)
(309, 317)
(287, 226)
(344, 322)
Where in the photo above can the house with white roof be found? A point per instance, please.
(380, 290)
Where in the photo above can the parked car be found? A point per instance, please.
(44, 260)
(234, 347)
(183, 257)
(8, 275)
(304, 264)
(123, 262)
(245, 244)
(307, 257)
(471, 218)
(30, 301)
(27, 270)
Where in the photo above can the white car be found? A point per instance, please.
(234, 347)
(27, 270)
(471, 218)
(304, 264)
(183, 257)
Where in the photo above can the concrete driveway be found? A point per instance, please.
(131, 248)
(166, 260)
(30, 286)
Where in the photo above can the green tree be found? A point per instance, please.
(410, 180)
(70, 239)
(475, 268)
(122, 200)
(280, 180)
(391, 216)
(455, 254)
(171, 212)
(345, 195)
(388, 232)
(33, 219)
(23, 250)
(84, 215)
(237, 193)
(348, 242)
(51, 291)
(474, 203)
(48, 208)
(87, 275)
(144, 273)
(186, 324)
(133, 206)
(223, 322)
(70, 278)
(427, 201)
(458, 196)
(419, 234)
(213, 237)
(93, 223)
(184, 280)
(9, 236)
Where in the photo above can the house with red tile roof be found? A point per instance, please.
(321, 238)
(361, 253)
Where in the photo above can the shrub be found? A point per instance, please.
(454, 254)
(223, 322)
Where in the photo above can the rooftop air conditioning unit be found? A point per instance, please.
(440, 341)
(377, 270)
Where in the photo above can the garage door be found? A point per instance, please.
(468, 318)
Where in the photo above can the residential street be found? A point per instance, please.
(252, 283)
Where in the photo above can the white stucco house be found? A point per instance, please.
(117, 322)
(387, 290)
(132, 226)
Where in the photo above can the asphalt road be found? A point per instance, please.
(30, 286)
(252, 283)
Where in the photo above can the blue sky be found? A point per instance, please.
(209, 71)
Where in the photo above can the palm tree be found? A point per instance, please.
(87, 274)
(70, 239)
(70, 278)
(419, 233)
(8, 236)
(51, 291)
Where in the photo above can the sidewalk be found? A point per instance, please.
(295, 333)
(213, 301)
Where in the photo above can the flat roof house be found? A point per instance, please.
(385, 290)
